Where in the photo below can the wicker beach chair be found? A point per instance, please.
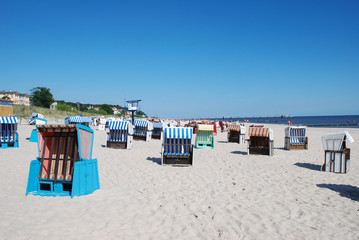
(36, 121)
(336, 153)
(142, 130)
(177, 147)
(260, 141)
(236, 133)
(120, 135)
(157, 131)
(78, 120)
(204, 137)
(296, 138)
(9, 138)
(64, 166)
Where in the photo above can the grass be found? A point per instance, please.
(22, 111)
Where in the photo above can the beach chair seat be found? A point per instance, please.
(204, 137)
(36, 121)
(236, 133)
(177, 148)
(260, 141)
(336, 153)
(295, 138)
(78, 120)
(157, 131)
(64, 166)
(142, 130)
(119, 135)
(9, 138)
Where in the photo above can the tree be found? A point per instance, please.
(6, 97)
(106, 108)
(42, 97)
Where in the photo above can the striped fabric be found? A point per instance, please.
(258, 132)
(177, 141)
(178, 133)
(8, 128)
(118, 125)
(141, 123)
(11, 120)
(297, 135)
(79, 119)
(56, 128)
(235, 128)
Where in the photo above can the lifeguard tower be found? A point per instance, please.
(133, 106)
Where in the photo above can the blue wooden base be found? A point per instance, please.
(85, 181)
(33, 136)
(204, 145)
(11, 144)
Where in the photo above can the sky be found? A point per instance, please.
(187, 58)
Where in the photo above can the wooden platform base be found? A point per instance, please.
(117, 145)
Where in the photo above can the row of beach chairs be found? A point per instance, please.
(65, 167)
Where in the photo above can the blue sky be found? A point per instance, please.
(187, 58)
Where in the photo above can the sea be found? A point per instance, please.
(343, 121)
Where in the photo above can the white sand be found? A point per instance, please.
(225, 195)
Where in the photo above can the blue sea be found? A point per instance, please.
(346, 121)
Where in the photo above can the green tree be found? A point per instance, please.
(106, 108)
(6, 97)
(42, 97)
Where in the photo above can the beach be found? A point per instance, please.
(226, 194)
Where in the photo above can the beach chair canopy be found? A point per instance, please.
(118, 125)
(38, 121)
(334, 141)
(78, 119)
(141, 123)
(8, 120)
(237, 128)
(261, 132)
(178, 133)
(205, 127)
(84, 138)
(157, 125)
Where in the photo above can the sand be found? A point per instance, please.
(227, 194)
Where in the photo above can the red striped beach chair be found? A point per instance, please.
(260, 141)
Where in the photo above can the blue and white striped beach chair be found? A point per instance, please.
(36, 121)
(142, 130)
(157, 131)
(119, 135)
(296, 138)
(177, 147)
(78, 120)
(8, 132)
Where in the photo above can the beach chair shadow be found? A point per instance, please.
(347, 191)
(155, 160)
(239, 152)
(310, 166)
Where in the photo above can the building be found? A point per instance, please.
(6, 108)
(16, 97)
(53, 106)
(116, 110)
